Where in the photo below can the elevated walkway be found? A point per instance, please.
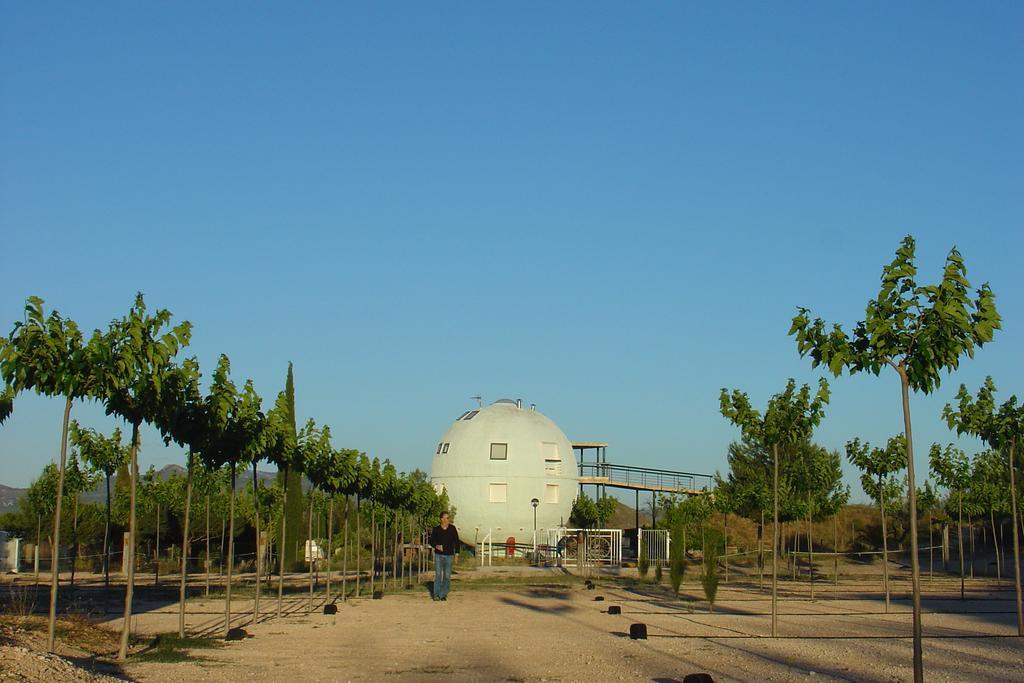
(644, 478)
(601, 473)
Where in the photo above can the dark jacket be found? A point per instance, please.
(448, 539)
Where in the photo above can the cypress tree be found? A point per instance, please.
(294, 556)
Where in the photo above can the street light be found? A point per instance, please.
(535, 503)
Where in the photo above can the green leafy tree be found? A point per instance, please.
(235, 432)
(879, 467)
(584, 514)
(677, 556)
(988, 492)
(41, 501)
(47, 354)
(1002, 428)
(643, 563)
(77, 480)
(132, 360)
(917, 330)
(748, 488)
(789, 419)
(281, 449)
(927, 501)
(182, 419)
(292, 484)
(818, 477)
(104, 455)
(952, 470)
(332, 472)
(709, 572)
(6, 400)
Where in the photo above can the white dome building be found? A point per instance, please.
(494, 461)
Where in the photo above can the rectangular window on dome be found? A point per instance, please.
(470, 415)
(445, 449)
(438, 449)
(462, 416)
(498, 493)
(550, 493)
(550, 452)
(499, 451)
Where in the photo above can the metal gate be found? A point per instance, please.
(583, 547)
(657, 544)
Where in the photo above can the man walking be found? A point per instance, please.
(445, 539)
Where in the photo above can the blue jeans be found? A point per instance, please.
(442, 575)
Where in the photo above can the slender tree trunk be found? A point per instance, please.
(960, 539)
(39, 538)
(106, 541)
(915, 561)
(995, 543)
(344, 562)
(281, 551)
(970, 535)
(775, 540)
(885, 543)
(207, 545)
(358, 544)
(231, 551)
(259, 554)
(330, 544)
(156, 564)
(55, 549)
(395, 533)
(74, 540)
(223, 534)
(835, 555)
(184, 548)
(931, 549)
(1016, 543)
(760, 554)
(373, 547)
(725, 550)
(129, 592)
(311, 553)
(810, 543)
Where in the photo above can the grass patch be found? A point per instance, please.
(168, 648)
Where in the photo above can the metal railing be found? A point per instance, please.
(647, 477)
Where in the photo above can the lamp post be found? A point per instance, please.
(535, 503)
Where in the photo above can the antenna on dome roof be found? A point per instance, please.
(479, 400)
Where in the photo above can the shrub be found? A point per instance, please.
(709, 575)
(643, 564)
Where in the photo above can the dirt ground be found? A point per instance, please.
(522, 624)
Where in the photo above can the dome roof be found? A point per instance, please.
(494, 460)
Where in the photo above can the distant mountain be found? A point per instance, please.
(10, 497)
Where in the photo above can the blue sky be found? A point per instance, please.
(610, 210)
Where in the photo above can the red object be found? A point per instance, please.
(510, 546)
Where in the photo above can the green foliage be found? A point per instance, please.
(6, 400)
(677, 558)
(918, 330)
(104, 454)
(999, 427)
(709, 573)
(950, 467)
(643, 563)
(790, 418)
(879, 466)
(584, 514)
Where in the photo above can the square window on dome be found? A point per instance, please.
(499, 451)
(498, 493)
